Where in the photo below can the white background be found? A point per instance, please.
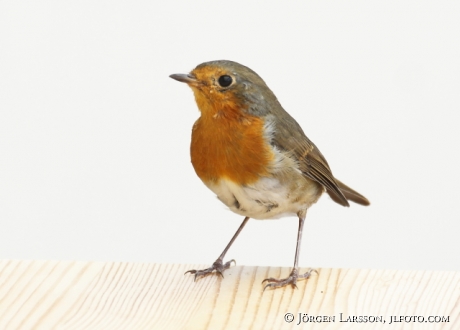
(94, 135)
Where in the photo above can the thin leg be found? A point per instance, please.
(218, 265)
(292, 279)
(299, 240)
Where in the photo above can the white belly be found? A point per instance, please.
(268, 198)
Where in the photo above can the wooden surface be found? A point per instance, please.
(96, 295)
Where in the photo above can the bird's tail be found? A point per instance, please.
(352, 195)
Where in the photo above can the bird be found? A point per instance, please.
(254, 156)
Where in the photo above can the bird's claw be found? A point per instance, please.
(217, 266)
(291, 279)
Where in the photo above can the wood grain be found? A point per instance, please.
(96, 295)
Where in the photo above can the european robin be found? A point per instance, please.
(254, 156)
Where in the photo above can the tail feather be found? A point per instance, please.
(350, 194)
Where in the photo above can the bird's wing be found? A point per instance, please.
(289, 136)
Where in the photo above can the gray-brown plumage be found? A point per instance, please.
(288, 135)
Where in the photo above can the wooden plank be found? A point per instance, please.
(110, 295)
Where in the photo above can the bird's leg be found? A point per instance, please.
(218, 265)
(292, 279)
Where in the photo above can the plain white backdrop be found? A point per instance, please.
(94, 135)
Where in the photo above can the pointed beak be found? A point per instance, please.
(186, 78)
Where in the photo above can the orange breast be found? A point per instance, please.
(230, 145)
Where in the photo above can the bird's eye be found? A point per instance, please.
(225, 80)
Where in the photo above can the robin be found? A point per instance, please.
(254, 156)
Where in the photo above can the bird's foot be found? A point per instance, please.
(291, 279)
(217, 266)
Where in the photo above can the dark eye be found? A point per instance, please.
(225, 81)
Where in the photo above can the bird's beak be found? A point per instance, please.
(186, 78)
